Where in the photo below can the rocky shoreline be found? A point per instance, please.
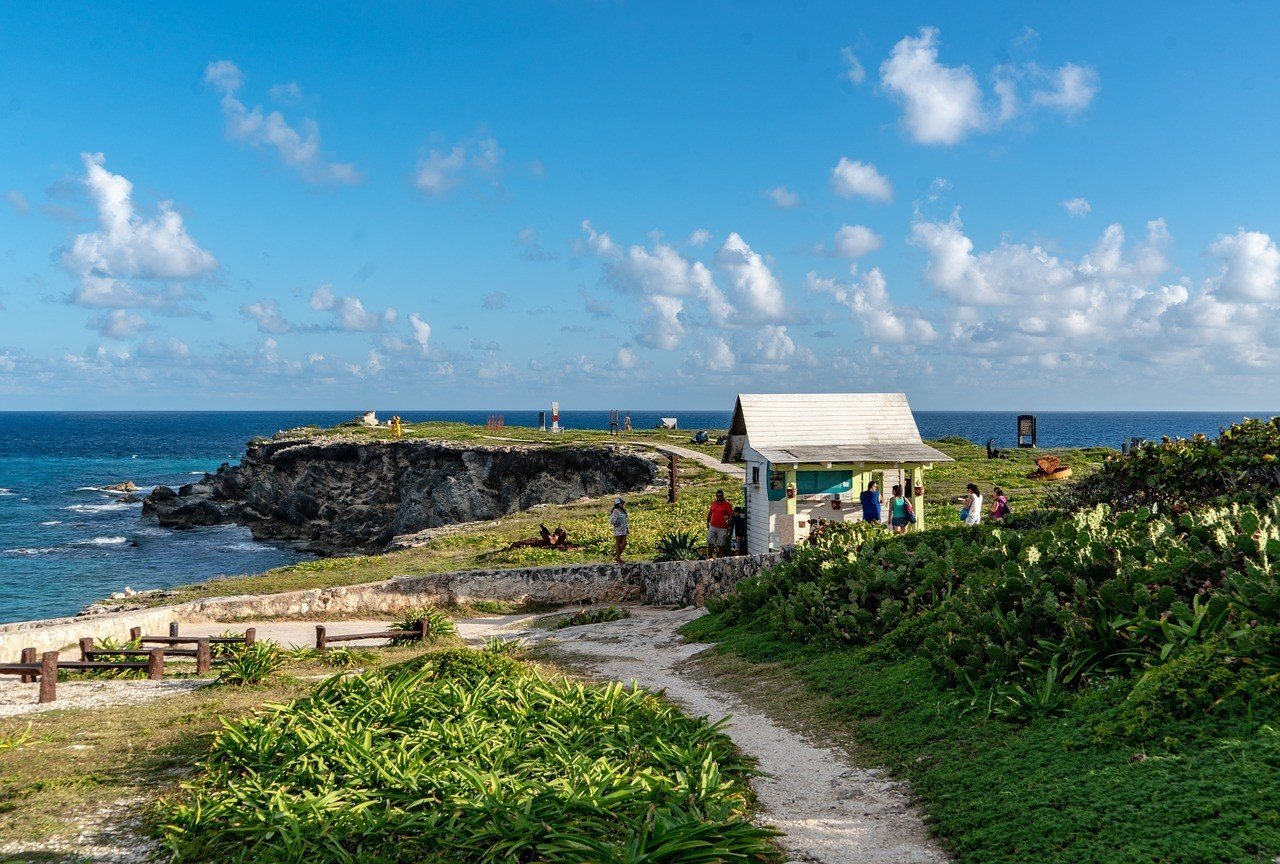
(333, 495)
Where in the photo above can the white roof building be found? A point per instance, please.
(809, 456)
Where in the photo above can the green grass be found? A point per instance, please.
(1059, 789)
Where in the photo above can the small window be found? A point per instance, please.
(755, 475)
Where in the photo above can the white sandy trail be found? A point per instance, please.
(831, 811)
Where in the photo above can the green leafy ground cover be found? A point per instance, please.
(1092, 687)
(465, 756)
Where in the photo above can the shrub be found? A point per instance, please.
(251, 664)
(437, 625)
(593, 616)
(680, 546)
(345, 658)
(498, 645)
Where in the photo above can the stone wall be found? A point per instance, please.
(672, 583)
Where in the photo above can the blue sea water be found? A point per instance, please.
(65, 542)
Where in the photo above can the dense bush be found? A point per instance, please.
(1093, 595)
(468, 756)
(602, 615)
(1180, 473)
(436, 624)
(680, 546)
(251, 664)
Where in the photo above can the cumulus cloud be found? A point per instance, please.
(266, 315)
(757, 290)
(782, 197)
(1069, 89)
(421, 332)
(868, 301)
(128, 247)
(1077, 206)
(941, 104)
(851, 178)
(714, 356)
(1250, 266)
(853, 70)
(349, 314)
(944, 104)
(298, 148)
(854, 241)
(625, 359)
(439, 172)
(118, 324)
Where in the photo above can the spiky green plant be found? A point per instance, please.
(498, 645)
(251, 664)
(471, 758)
(680, 546)
(593, 616)
(345, 658)
(438, 625)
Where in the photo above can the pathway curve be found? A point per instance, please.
(831, 811)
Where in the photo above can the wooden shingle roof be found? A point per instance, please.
(828, 427)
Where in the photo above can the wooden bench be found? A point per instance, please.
(323, 638)
(47, 669)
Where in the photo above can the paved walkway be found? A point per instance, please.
(712, 462)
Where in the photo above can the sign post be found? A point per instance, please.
(1026, 430)
(555, 417)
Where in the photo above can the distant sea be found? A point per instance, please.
(65, 542)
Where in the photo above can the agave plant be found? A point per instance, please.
(436, 625)
(251, 664)
(680, 546)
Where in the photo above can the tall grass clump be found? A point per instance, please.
(466, 757)
(251, 664)
(437, 625)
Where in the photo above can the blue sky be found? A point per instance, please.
(651, 205)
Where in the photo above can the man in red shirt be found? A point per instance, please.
(719, 518)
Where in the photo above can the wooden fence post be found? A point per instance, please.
(28, 656)
(422, 630)
(250, 636)
(155, 664)
(320, 640)
(86, 646)
(173, 629)
(673, 481)
(204, 657)
(48, 676)
(135, 633)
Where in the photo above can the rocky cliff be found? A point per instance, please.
(331, 495)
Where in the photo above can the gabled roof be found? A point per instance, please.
(828, 427)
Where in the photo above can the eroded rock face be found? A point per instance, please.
(332, 495)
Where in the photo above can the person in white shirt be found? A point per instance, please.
(973, 506)
(618, 521)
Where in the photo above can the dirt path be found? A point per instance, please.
(831, 811)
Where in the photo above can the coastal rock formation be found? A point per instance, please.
(333, 495)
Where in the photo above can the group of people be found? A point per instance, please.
(902, 514)
(726, 527)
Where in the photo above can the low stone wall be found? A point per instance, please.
(670, 583)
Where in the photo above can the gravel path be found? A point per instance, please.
(832, 811)
(18, 698)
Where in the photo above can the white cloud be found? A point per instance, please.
(782, 197)
(1070, 89)
(714, 356)
(349, 314)
(850, 178)
(1077, 206)
(1250, 266)
(854, 241)
(266, 315)
(421, 332)
(853, 70)
(531, 249)
(441, 171)
(770, 346)
(118, 324)
(300, 150)
(757, 290)
(287, 94)
(625, 359)
(699, 237)
(17, 201)
(169, 349)
(942, 104)
(882, 322)
(127, 246)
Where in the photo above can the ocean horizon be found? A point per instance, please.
(65, 541)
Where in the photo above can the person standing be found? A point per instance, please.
(901, 514)
(1000, 509)
(719, 518)
(972, 513)
(740, 530)
(619, 523)
(871, 503)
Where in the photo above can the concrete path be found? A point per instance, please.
(712, 462)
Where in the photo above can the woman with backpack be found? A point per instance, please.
(1000, 509)
(901, 514)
